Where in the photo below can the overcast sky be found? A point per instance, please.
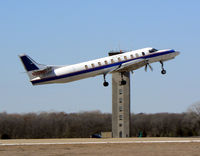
(66, 32)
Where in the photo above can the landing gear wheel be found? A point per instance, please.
(163, 71)
(123, 82)
(105, 84)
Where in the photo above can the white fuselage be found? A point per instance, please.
(103, 66)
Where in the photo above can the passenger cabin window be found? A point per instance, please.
(106, 62)
(119, 59)
(132, 57)
(92, 65)
(112, 61)
(125, 57)
(136, 55)
(86, 66)
(99, 63)
(153, 50)
(143, 53)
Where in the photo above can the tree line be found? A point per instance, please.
(53, 125)
(165, 125)
(84, 124)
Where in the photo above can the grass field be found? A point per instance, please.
(115, 147)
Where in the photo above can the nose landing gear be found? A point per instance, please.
(163, 70)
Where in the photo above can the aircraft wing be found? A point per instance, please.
(132, 65)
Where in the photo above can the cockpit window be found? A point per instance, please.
(153, 50)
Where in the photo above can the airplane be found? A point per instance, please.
(121, 62)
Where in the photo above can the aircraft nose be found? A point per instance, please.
(177, 53)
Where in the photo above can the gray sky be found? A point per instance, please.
(67, 32)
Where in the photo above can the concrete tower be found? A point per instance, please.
(120, 105)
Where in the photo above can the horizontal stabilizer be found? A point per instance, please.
(42, 71)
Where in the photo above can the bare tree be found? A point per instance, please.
(195, 109)
(194, 113)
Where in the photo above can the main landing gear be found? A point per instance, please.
(105, 83)
(163, 70)
(123, 82)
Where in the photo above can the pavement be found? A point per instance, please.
(23, 142)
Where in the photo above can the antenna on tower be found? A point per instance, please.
(120, 50)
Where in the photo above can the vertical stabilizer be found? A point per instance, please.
(31, 66)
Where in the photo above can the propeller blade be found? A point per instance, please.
(145, 68)
(150, 67)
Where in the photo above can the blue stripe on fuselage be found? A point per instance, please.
(99, 68)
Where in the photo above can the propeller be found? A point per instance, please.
(148, 65)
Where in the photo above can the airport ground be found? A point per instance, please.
(99, 147)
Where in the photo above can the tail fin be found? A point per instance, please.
(31, 66)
